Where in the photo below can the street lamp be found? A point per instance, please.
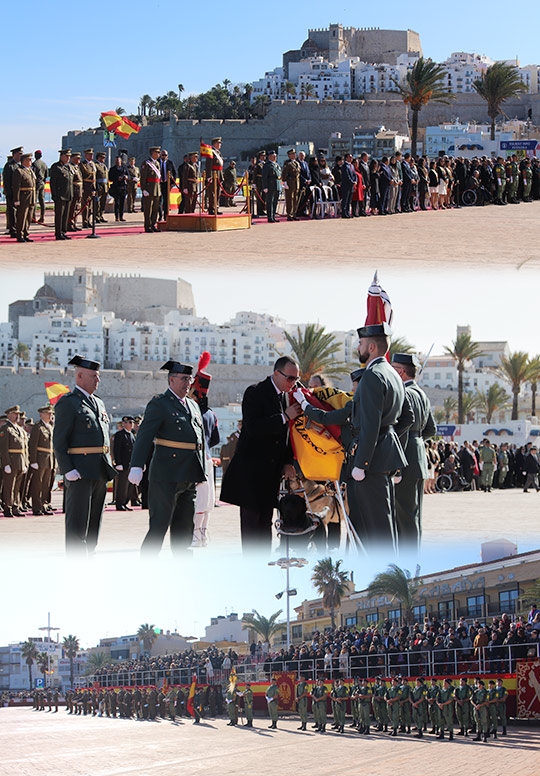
(48, 628)
(288, 563)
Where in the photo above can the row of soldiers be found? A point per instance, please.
(27, 462)
(512, 180)
(42, 698)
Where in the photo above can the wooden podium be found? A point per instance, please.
(203, 222)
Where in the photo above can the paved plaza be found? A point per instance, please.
(49, 744)
(449, 520)
(489, 237)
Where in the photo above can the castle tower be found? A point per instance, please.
(336, 47)
(84, 292)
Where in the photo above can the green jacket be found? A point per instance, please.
(166, 418)
(423, 427)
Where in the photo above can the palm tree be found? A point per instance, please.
(530, 596)
(399, 585)
(180, 90)
(290, 89)
(144, 103)
(266, 627)
(42, 661)
(515, 369)
(449, 407)
(495, 398)
(309, 90)
(48, 356)
(463, 349)
(471, 402)
(499, 83)
(21, 353)
(331, 583)
(425, 82)
(399, 345)
(314, 350)
(71, 647)
(120, 111)
(30, 653)
(147, 635)
(439, 416)
(534, 378)
(98, 660)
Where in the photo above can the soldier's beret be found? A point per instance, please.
(84, 363)
(375, 330)
(26, 156)
(88, 150)
(409, 359)
(15, 408)
(47, 408)
(17, 150)
(176, 368)
(154, 148)
(66, 151)
(216, 140)
(128, 419)
(357, 374)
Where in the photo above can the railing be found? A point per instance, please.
(437, 661)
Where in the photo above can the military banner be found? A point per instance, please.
(317, 448)
(286, 683)
(528, 689)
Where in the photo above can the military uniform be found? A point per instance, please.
(133, 177)
(319, 695)
(462, 696)
(302, 692)
(123, 442)
(272, 701)
(232, 710)
(178, 463)
(405, 707)
(151, 191)
(41, 172)
(42, 464)
(512, 180)
(247, 696)
(365, 696)
(102, 187)
(14, 459)
(11, 165)
(88, 169)
(271, 183)
(526, 181)
(76, 202)
(501, 694)
(61, 180)
(492, 709)
(189, 184)
(418, 705)
(23, 189)
(379, 705)
(214, 166)
(481, 716)
(499, 176)
(290, 177)
(257, 179)
(81, 443)
(393, 697)
(488, 457)
(434, 711)
(446, 706)
(339, 696)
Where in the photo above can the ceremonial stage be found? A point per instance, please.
(203, 222)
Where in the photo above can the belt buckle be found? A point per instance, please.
(106, 449)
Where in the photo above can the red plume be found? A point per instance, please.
(204, 360)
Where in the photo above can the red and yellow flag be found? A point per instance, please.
(233, 678)
(206, 150)
(317, 448)
(120, 125)
(55, 391)
(189, 704)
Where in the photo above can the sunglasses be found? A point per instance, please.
(289, 378)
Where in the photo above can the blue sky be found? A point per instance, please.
(66, 63)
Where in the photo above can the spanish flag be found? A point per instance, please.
(120, 125)
(317, 448)
(55, 391)
(189, 704)
(206, 150)
(232, 680)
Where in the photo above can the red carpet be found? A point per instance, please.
(48, 236)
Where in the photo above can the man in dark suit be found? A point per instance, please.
(305, 181)
(532, 469)
(408, 180)
(366, 180)
(61, 181)
(385, 180)
(263, 454)
(81, 445)
(348, 182)
(377, 452)
(123, 442)
(165, 167)
(410, 489)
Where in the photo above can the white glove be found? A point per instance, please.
(145, 193)
(135, 475)
(7, 469)
(34, 465)
(119, 468)
(265, 191)
(397, 479)
(299, 396)
(358, 474)
(72, 476)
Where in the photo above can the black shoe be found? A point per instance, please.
(27, 239)
(478, 737)
(504, 731)
(461, 732)
(20, 239)
(419, 734)
(66, 237)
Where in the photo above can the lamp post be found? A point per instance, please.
(48, 628)
(288, 563)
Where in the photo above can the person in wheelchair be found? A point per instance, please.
(450, 477)
(298, 523)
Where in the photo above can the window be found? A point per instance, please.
(445, 609)
(296, 631)
(475, 606)
(350, 621)
(508, 600)
(394, 614)
(372, 619)
(419, 611)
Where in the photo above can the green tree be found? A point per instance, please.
(30, 654)
(290, 89)
(425, 82)
(399, 345)
(42, 661)
(21, 353)
(96, 661)
(120, 111)
(515, 369)
(180, 91)
(463, 349)
(331, 583)
(144, 102)
(530, 596)
(147, 634)
(70, 646)
(400, 586)
(314, 349)
(471, 402)
(534, 378)
(495, 398)
(439, 416)
(48, 356)
(265, 627)
(449, 407)
(499, 83)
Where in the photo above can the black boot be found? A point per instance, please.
(461, 732)
(451, 736)
(504, 731)
(441, 734)
(485, 738)
(479, 737)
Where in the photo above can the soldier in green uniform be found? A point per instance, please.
(102, 186)
(526, 180)
(379, 704)
(76, 202)
(462, 697)
(247, 696)
(365, 696)
(512, 179)
(272, 701)
(354, 694)
(257, 177)
(446, 706)
(480, 702)
(418, 703)
(290, 177)
(393, 697)
(81, 443)
(14, 462)
(499, 176)
(340, 700)
(410, 490)
(434, 711)
(302, 694)
(232, 710)
(172, 422)
(405, 706)
(42, 461)
(271, 183)
(492, 708)
(88, 169)
(502, 694)
(13, 163)
(150, 189)
(319, 695)
(23, 189)
(61, 180)
(488, 459)
(133, 177)
(189, 182)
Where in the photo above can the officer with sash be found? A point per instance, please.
(81, 444)
(214, 167)
(24, 197)
(172, 422)
(150, 188)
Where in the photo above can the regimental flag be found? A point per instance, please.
(189, 704)
(206, 150)
(379, 306)
(317, 448)
(120, 125)
(233, 678)
(55, 391)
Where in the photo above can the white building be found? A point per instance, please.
(65, 334)
(227, 628)
(14, 672)
(8, 343)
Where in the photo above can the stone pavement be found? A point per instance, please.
(449, 519)
(45, 744)
(473, 237)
